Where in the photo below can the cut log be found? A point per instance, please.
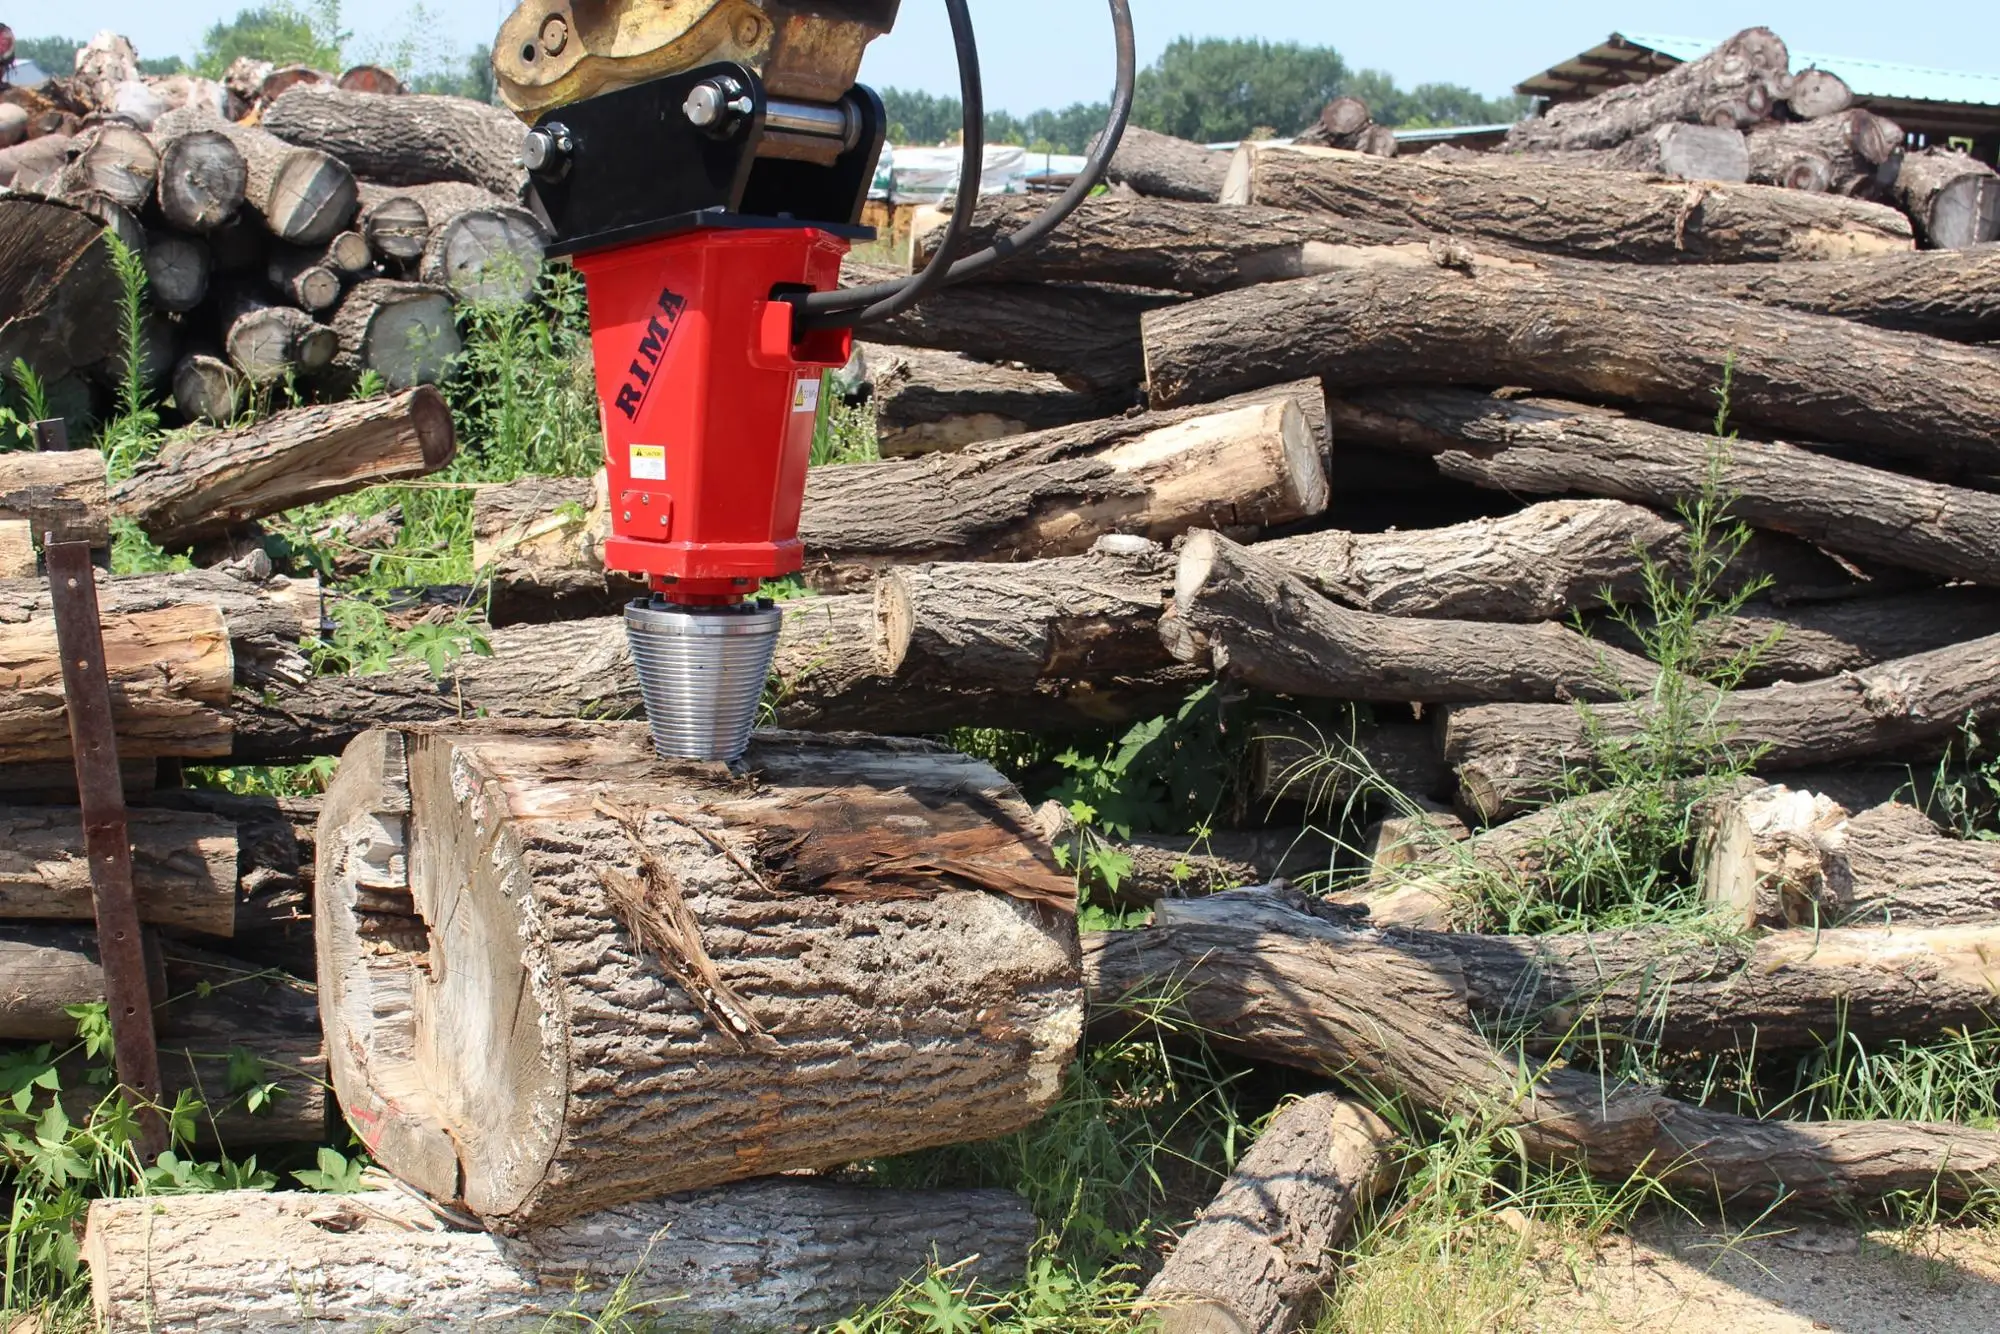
(1816, 93)
(1549, 447)
(371, 79)
(1737, 85)
(1259, 976)
(630, 978)
(394, 221)
(411, 140)
(539, 540)
(935, 402)
(115, 161)
(348, 256)
(286, 77)
(177, 271)
(1553, 208)
(1340, 122)
(114, 217)
(1256, 1259)
(1947, 294)
(1953, 198)
(1619, 337)
(17, 549)
(1849, 149)
(56, 285)
(208, 389)
(304, 196)
(1173, 246)
(1511, 757)
(48, 969)
(303, 278)
(269, 342)
(1164, 167)
(274, 872)
(203, 179)
(183, 867)
(40, 159)
(1257, 623)
(481, 247)
(1689, 153)
(202, 487)
(768, 1255)
(63, 493)
(1168, 866)
(404, 332)
(1054, 493)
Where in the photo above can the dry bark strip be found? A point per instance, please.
(1256, 622)
(1618, 336)
(413, 140)
(63, 493)
(1163, 167)
(797, 904)
(1737, 84)
(1589, 215)
(1258, 975)
(204, 486)
(1255, 1261)
(1548, 447)
(930, 402)
(766, 1255)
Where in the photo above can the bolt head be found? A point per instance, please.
(555, 34)
(546, 148)
(716, 105)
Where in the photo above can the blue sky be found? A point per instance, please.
(1051, 52)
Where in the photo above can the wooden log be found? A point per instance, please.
(114, 217)
(1949, 294)
(404, 332)
(1172, 866)
(115, 161)
(203, 179)
(304, 196)
(183, 867)
(1550, 447)
(1736, 85)
(1850, 147)
(286, 77)
(667, 986)
(274, 872)
(1816, 93)
(935, 402)
(17, 549)
(63, 493)
(268, 342)
(394, 221)
(1255, 622)
(13, 124)
(411, 140)
(304, 279)
(243, 81)
(1689, 153)
(1163, 167)
(767, 1255)
(202, 487)
(56, 283)
(1256, 1260)
(48, 970)
(371, 79)
(1619, 338)
(348, 255)
(481, 247)
(39, 159)
(1323, 767)
(1594, 215)
(1510, 757)
(539, 540)
(208, 389)
(1056, 492)
(1262, 977)
(177, 271)
(1953, 198)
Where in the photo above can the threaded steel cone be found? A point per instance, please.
(701, 673)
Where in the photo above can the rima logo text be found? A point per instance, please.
(652, 348)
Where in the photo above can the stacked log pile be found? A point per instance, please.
(297, 229)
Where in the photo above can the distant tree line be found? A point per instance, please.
(1214, 90)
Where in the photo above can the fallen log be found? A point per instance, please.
(394, 222)
(40, 160)
(13, 124)
(349, 256)
(183, 868)
(1322, 767)
(766, 1255)
(1689, 153)
(1172, 866)
(1618, 337)
(1510, 757)
(1260, 977)
(202, 487)
(56, 283)
(539, 541)
(177, 271)
(274, 870)
(302, 277)
(1554, 208)
(371, 79)
(1256, 1259)
(404, 332)
(412, 140)
(480, 247)
(112, 160)
(671, 887)
(1163, 167)
(1843, 153)
(1255, 622)
(268, 342)
(304, 196)
(203, 179)
(208, 389)
(1946, 294)
(1953, 198)
(934, 402)
(1736, 84)
(1814, 93)
(1549, 447)
(50, 969)
(63, 493)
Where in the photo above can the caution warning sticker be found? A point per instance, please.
(649, 463)
(805, 398)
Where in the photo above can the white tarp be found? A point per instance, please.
(908, 175)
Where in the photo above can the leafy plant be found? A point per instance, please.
(132, 434)
(336, 1173)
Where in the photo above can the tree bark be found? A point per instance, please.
(304, 196)
(1256, 1259)
(1737, 84)
(1946, 294)
(1953, 198)
(1689, 153)
(183, 868)
(480, 247)
(1510, 757)
(936, 402)
(17, 549)
(203, 179)
(1163, 167)
(1816, 93)
(394, 221)
(1842, 153)
(177, 271)
(1056, 492)
(303, 278)
(1550, 447)
(1257, 623)
(56, 285)
(268, 342)
(630, 1050)
(412, 140)
(348, 256)
(1618, 337)
(1267, 980)
(113, 160)
(204, 486)
(404, 332)
(782, 1254)
(27, 165)
(61, 493)
(208, 389)
(1552, 208)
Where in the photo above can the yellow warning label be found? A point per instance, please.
(649, 463)
(805, 398)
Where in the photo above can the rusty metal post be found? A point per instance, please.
(101, 793)
(52, 436)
